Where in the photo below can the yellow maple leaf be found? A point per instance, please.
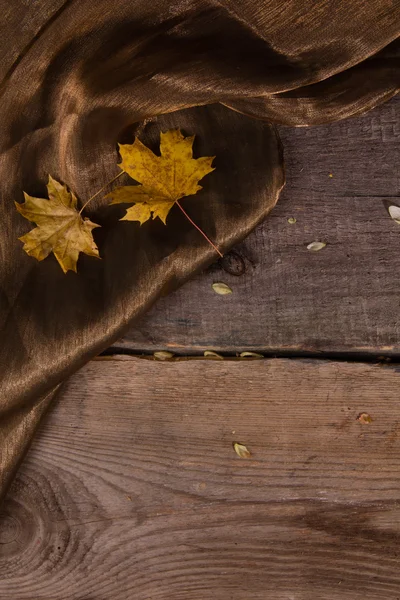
(60, 228)
(164, 179)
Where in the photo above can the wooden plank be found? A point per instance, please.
(132, 488)
(343, 298)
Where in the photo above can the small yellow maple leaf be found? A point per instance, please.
(60, 228)
(164, 179)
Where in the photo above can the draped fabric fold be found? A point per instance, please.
(77, 77)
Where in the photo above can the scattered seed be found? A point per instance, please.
(316, 246)
(163, 355)
(394, 212)
(364, 418)
(292, 220)
(331, 175)
(212, 354)
(241, 450)
(250, 355)
(221, 288)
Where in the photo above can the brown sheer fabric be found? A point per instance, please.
(78, 76)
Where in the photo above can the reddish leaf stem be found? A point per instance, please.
(177, 202)
(198, 229)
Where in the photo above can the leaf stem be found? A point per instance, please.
(177, 202)
(101, 190)
(198, 229)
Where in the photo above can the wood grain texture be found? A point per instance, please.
(133, 490)
(343, 298)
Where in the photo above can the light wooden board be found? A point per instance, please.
(132, 488)
(343, 298)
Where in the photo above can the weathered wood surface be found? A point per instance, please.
(343, 298)
(132, 488)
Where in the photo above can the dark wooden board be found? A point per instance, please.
(132, 488)
(343, 298)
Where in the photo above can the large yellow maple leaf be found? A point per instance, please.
(164, 179)
(60, 227)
